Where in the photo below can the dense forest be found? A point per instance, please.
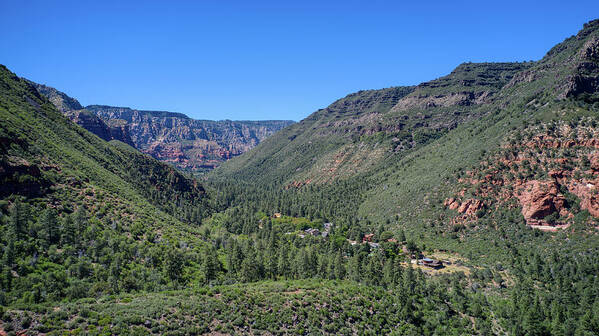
(462, 206)
(48, 260)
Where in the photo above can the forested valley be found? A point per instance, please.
(466, 205)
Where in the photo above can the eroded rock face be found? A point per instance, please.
(73, 110)
(187, 143)
(12, 169)
(594, 160)
(62, 102)
(92, 123)
(511, 175)
(468, 207)
(589, 195)
(585, 79)
(471, 84)
(451, 203)
(540, 199)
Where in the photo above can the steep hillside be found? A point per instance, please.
(392, 157)
(462, 206)
(559, 88)
(355, 134)
(61, 154)
(71, 108)
(189, 144)
(69, 199)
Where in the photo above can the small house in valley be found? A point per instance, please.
(432, 263)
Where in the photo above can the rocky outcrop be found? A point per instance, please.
(549, 171)
(469, 207)
(92, 123)
(589, 195)
(72, 109)
(193, 145)
(469, 84)
(585, 78)
(62, 102)
(20, 177)
(540, 199)
(451, 99)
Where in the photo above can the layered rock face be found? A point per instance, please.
(192, 145)
(469, 84)
(71, 108)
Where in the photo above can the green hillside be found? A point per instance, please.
(300, 307)
(356, 133)
(397, 153)
(72, 203)
(466, 205)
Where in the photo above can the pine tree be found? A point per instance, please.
(69, 231)
(402, 236)
(340, 271)
(283, 267)
(408, 282)
(325, 266)
(49, 226)
(174, 263)
(80, 221)
(533, 320)
(388, 274)
(234, 258)
(248, 272)
(354, 268)
(585, 325)
(18, 218)
(210, 264)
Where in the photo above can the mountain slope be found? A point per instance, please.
(36, 136)
(69, 198)
(395, 166)
(551, 90)
(71, 108)
(189, 144)
(356, 133)
(359, 132)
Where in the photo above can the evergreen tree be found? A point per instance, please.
(174, 263)
(388, 273)
(354, 268)
(69, 231)
(18, 218)
(248, 272)
(210, 264)
(49, 226)
(533, 320)
(283, 266)
(402, 236)
(340, 271)
(80, 221)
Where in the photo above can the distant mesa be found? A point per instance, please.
(188, 144)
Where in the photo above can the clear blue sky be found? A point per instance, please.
(265, 59)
